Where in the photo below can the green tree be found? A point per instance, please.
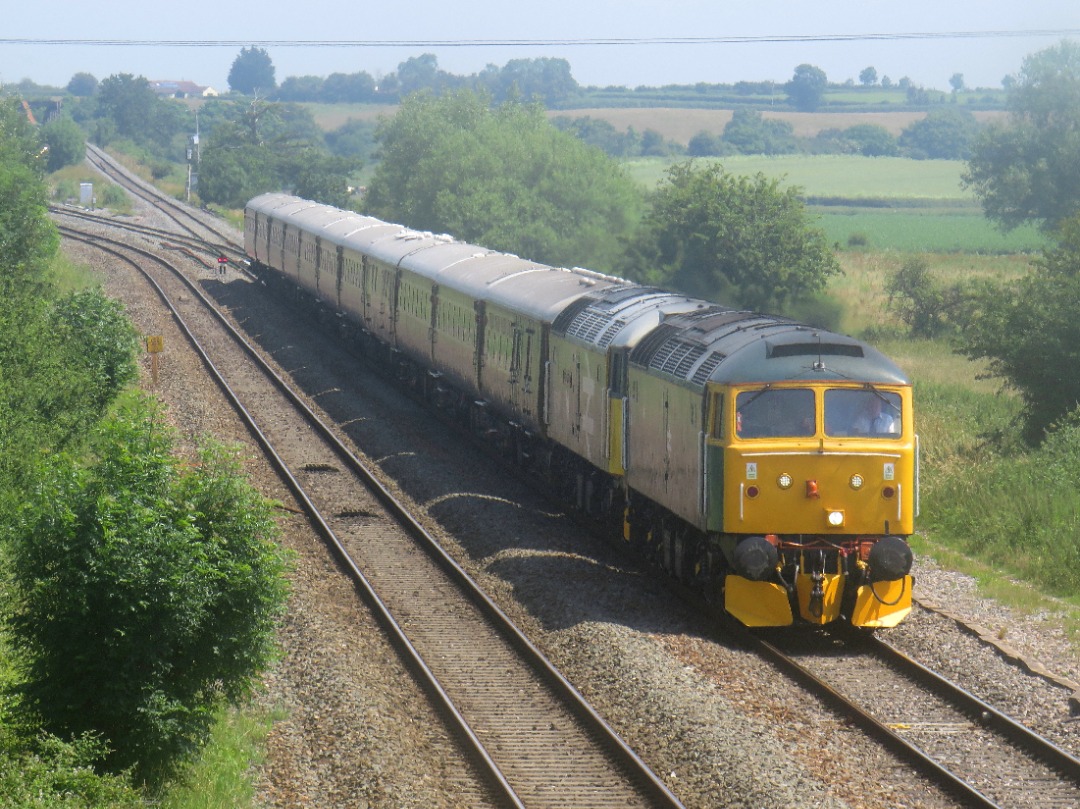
(347, 87)
(252, 72)
(261, 146)
(419, 73)
(1030, 334)
(128, 101)
(601, 134)
(28, 239)
(62, 358)
(66, 142)
(872, 140)
(750, 132)
(705, 144)
(807, 87)
(1027, 171)
(546, 80)
(944, 134)
(928, 307)
(146, 593)
(301, 88)
(868, 77)
(82, 84)
(504, 178)
(741, 240)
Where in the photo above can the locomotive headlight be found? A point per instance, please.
(784, 481)
(856, 482)
(835, 518)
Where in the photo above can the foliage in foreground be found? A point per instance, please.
(1018, 511)
(52, 774)
(146, 594)
(1029, 333)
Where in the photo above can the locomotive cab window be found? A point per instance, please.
(775, 412)
(862, 413)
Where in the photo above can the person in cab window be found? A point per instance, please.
(875, 418)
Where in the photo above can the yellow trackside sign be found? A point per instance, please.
(155, 343)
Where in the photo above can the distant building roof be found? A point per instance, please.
(181, 89)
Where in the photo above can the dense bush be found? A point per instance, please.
(52, 774)
(145, 593)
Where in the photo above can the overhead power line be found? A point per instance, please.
(490, 43)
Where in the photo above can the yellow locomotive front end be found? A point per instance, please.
(818, 495)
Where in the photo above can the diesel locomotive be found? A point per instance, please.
(769, 465)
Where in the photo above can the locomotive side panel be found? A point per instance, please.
(664, 432)
(579, 404)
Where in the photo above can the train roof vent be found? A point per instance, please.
(677, 357)
(644, 351)
(569, 314)
(609, 333)
(704, 371)
(588, 324)
(776, 350)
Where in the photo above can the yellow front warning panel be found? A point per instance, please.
(757, 603)
(883, 603)
(827, 605)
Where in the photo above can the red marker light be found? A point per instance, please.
(811, 489)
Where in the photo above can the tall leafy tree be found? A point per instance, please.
(741, 240)
(1027, 170)
(66, 142)
(82, 84)
(504, 178)
(1030, 334)
(807, 87)
(261, 146)
(129, 102)
(252, 72)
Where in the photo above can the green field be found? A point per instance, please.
(835, 176)
(885, 203)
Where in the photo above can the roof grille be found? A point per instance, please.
(569, 314)
(587, 325)
(704, 371)
(677, 357)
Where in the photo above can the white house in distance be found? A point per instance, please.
(182, 89)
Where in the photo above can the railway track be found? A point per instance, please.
(972, 749)
(531, 738)
(199, 225)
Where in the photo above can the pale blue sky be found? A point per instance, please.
(983, 61)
